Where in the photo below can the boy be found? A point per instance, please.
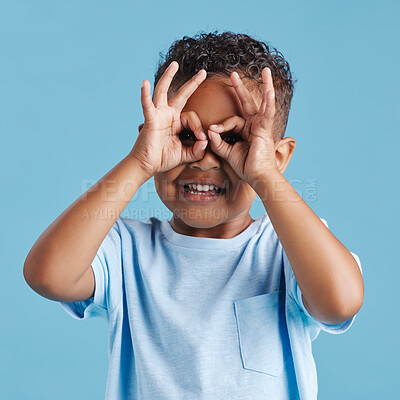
(212, 304)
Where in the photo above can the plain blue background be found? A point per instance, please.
(70, 77)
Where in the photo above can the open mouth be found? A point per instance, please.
(201, 193)
(209, 190)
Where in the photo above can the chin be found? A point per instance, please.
(202, 218)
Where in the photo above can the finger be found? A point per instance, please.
(269, 103)
(195, 152)
(270, 109)
(147, 104)
(161, 90)
(246, 99)
(235, 155)
(232, 124)
(268, 85)
(183, 94)
(218, 146)
(267, 121)
(190, 120)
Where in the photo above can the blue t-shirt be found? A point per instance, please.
(202, 318)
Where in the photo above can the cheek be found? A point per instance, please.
(242, 193)
(161, 183)
(158, 183)
(165, 185)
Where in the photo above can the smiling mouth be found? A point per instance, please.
(201, 193)
(209, 190)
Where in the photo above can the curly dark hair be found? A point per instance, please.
(221, 54)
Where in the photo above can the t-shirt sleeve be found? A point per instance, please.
(295, 293)
(107, 269)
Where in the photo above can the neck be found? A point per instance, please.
(225, 230)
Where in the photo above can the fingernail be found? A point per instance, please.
(203, 146)
(214, 126)
(203, 135)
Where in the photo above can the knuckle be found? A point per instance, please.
(219, 146)
(184, 95)
(237, 120)
(184, 115)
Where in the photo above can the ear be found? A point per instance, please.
(283, 152)
(140, 127)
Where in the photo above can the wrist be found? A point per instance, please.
(266, 180)
(276, 189)
(139, 170)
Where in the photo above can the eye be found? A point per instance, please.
(187, 138)
(231, 137)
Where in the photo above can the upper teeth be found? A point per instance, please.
(203, 188)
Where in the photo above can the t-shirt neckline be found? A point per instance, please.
(210, 243)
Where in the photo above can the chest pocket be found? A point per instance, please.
(263, 338)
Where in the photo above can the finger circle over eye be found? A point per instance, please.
(234, 124)
(190, 120)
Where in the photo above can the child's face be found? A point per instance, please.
(213, 102)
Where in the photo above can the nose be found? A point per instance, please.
(209, 161)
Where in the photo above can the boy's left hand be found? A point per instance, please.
(254, 155)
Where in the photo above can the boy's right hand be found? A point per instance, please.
(158, 147)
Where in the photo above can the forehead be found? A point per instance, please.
(214, 101)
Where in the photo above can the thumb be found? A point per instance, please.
(218, 146)
(195, 152)
(235, 154)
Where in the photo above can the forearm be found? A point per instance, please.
(326, 272)
(65, 250)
